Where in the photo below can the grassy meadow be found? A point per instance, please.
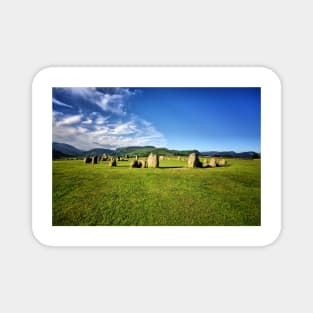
(96, 194)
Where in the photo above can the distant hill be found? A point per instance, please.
(134, 150)
(66, 149)
(232, 154)
(224, 153)
(144, 151)
(59, 155)
(249, 154)
(62, 150)
(99, 151)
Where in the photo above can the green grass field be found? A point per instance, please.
(87, 194)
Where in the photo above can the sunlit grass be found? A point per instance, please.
(87, 194)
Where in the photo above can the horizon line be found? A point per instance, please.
(204, 150)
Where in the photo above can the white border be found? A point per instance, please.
(156, 235)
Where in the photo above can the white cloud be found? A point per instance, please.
(74, 119)
(101, 120)
(110, 127)
(134, 132)
(55, 114)
(112, 100)
(125, 128)
(88, 121)
(61, 103)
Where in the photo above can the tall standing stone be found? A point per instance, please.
(113, 162)
(153, 160)
(193, 160)
(212, 162)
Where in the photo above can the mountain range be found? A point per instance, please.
(63, 150)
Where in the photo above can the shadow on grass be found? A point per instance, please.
(204, 167)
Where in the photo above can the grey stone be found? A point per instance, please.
(193, 160)
(153, 160)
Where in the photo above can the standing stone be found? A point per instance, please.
(161, 157)
(221, 162)
(136, 157)
(94, 160)
(134, 164)
(212, 162)
(153, 160)
(87, 159)
(205, 162)
(193, 160)
(142, 164)
(113, 162)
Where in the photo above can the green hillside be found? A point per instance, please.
(144, 151)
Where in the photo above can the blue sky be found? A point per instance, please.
(177, 118)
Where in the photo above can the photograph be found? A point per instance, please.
(156, 156)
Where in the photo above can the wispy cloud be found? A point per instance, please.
(127, 128)
(107, 99)
(61, 103)
(88, 121)
(69, 120)
(109, 135)
(101, 120)
(109, 126)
